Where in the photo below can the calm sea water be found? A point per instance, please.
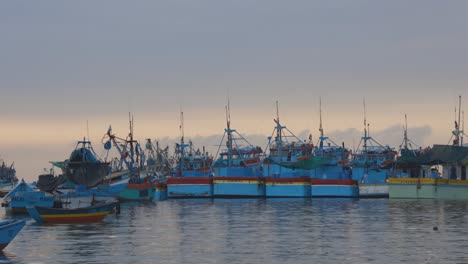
(256, 231)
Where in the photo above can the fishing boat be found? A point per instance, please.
(22, 195)
(238, 168)
(192, 174)
(8, 178)
(8, 231)
(371, 165)
(408, 162)
(287, 166)
(157, 159)
(80, 215)
(84, 168)
(442, 171)
(135, 184)
(333, 178)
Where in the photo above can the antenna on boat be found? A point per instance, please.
(181, 127)
(405, 134)
(87, 129)
(457, 132)
(320, 110)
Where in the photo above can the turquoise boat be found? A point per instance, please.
(136, 184)
(238, 169)
(8, 231)
(334, 177)
(372, 165)
(288, 164)
(192, 177)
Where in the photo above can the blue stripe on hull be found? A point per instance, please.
(335, 191)
(288, 190)
(190, 191)
(238, 190)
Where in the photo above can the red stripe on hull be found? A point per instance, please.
(301, 179)
(141, 185)
(75, 219)
(332, 182)
(189, 180)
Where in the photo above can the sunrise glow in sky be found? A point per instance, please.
(66, 64)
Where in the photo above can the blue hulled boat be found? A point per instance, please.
(23, 195)
(372, 165)
(192, 174)
(134, 183)
(332, 179)
(60, 215)
(8, 231)
(288, 165)
(238, 169)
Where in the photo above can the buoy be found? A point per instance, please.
(435, 228)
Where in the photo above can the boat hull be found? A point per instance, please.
(334, 188)
(8, 231)
(79, 215)
(428, 188)
(232, 187)
(138, 192)
(17, 204)
(287, 187)
(190, 187)
(377, 190)
(161, 192)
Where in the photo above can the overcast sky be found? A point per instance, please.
(63, 63)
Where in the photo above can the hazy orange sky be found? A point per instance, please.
(63, 64)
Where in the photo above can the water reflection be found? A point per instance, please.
(256, 231)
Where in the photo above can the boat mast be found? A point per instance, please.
(278, 132)
(130, 120)
(457, 132)
(229, 132)
(182, 147)
(405, 135)
(321, 128)
(365, 130)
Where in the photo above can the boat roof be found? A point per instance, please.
(21, 187)
(445, 154)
